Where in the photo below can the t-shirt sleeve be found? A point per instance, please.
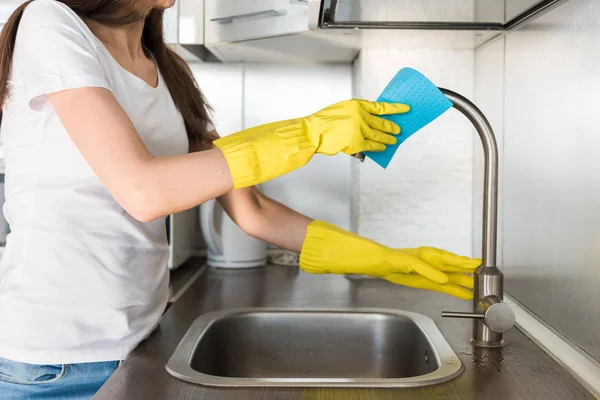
(54, 52)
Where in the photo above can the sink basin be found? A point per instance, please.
(312, 348)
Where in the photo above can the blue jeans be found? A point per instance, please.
(19, 381)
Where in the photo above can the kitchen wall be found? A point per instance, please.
(246, 95)
(425, 196)
(540, 87)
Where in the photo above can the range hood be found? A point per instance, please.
(337, 30)
(467, 15)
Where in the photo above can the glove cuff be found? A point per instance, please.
(242, 160)
(328, 249)
(262, 153)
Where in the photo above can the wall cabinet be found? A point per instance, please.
(183, 27)
(234, 20)
(272, 31)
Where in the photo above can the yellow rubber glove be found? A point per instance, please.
(265, 152)
(329, 249)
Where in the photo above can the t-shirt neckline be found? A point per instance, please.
(142, 82)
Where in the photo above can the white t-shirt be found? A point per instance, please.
(80, 280)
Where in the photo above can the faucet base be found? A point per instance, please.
(487, 345)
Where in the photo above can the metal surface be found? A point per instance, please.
(562, 350)
(537, 9)
(359, 156)
(496, 314)
(522, 11)
(488, 277)
(516, 372)
(307, 348)
(490, 184)
(551, 246)
(414, 25)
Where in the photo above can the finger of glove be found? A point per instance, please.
(415, 264)
(462, 280)
(438, 259)
(380, 108)
(381, 124)
(378, 136)
(419, 282)
(455, 262)
(456, 291)
(368, 145)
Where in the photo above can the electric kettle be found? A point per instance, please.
(228, 246)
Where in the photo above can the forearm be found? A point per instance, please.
(181, 182)
(282, 226)
(265, 218)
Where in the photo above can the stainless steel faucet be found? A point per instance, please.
(491, 316)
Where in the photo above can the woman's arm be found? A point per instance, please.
(262, 217)
(325, 248)
(145, 186)
(265, 218)
(148, 187)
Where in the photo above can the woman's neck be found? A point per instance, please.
(125, 40)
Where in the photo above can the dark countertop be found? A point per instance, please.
(183, 277)
(521, 370)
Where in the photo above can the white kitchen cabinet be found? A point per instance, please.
(272, 31)
(234, 20)
(183, 26)
(184, 23)
(191, 22)
(171, 25)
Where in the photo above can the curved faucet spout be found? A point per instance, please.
(490, 186)
(491, 317)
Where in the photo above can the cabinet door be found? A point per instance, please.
(170, 24)
(235, 20)
(273, 92)
(191, 21)
(184, 22)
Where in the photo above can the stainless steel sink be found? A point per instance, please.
(308, 348)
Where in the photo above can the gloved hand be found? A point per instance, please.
(350, 127)
(265, 152)
(329, 249)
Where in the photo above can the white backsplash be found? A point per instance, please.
(425, 195)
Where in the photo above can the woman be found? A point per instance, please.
(105, 133)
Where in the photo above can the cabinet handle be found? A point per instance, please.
(301, 2)
(257, 14)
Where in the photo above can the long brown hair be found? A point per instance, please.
(179, 78)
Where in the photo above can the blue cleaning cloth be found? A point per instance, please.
(426, 103)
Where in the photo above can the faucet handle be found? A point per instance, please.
(496, 315)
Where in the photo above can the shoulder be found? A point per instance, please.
(47, 11)
(51, 15)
